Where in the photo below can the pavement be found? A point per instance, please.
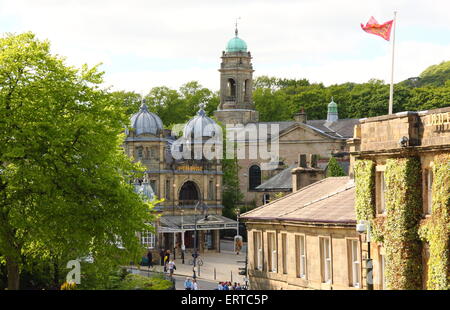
(217, 267)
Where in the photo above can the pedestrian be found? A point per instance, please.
(166, 260)
(238, 287)
(150, 258)
(172, 267)
(168, 255)
(188, 284)
(234, 286)
(195, 285)
(238, 245)
(220, 286)
(225, 286)
(161, 255)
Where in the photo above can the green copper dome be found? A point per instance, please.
(332, 106)
(236, 45)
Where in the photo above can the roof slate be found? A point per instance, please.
(330, 200)
(281, 181)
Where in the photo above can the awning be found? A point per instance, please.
(178, 223)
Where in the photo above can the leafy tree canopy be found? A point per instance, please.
(65, 189)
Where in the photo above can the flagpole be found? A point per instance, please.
(391, 91)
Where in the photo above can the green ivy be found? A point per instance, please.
(365, 189)
(435, 230)
(403, 213)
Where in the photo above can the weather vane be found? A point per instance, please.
(236, 26)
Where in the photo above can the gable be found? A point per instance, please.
(300, 132)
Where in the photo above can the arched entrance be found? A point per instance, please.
(189, 193)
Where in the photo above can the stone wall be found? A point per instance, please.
(339, 235)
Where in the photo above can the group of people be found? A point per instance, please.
(190, 285)
(167, 262)
(227, 286)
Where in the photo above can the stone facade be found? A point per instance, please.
(179, 184)
(297, 136)
(290, 279)
(424, 135)
(306, 240)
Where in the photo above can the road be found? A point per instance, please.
(179, 282)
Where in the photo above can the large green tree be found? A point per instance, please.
(65, 188)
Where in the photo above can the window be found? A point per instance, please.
(154, 186)
(231, 88)
(148, 239)
(167, 190)
(153, 153)
(266, 198)
(355, 265)
(211, 193)
(382, 271)
(428, 190)
(139, 152)
(272, 252)
(254, 177)
(284, 252)
(300, 251)
(325, 259)
(258, 251)
(381, 189)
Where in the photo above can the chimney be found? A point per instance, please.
(307, 171)
(301, 116)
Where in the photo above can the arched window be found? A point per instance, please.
(254, 177)
(231, 88)
(246, 89)
(189, 193)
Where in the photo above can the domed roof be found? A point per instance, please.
(332, 106)
(200, 126)
(144, 189)
(236, 44)
(146, 122)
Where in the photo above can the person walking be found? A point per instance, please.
(172, 267)
(161, 255)
(168, 255)
(195, 285)
(188, 284)
(150, 258)
(238, 287)
(220, 286)
(166, 260)
(225, 286)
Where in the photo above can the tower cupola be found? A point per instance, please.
(332, 115)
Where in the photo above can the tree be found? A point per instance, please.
(231, 194)
(131, 100)
(65, 189)
(333, 168)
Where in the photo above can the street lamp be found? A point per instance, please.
(364, 227)
(183, 247)
(195, 240)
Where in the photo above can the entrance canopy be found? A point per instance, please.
(178, 223)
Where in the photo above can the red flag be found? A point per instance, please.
(383, 30)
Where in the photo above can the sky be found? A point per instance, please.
(147, 43)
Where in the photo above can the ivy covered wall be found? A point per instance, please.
(435, 229)
(399, 229)
(365, 189)
(403, 198)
